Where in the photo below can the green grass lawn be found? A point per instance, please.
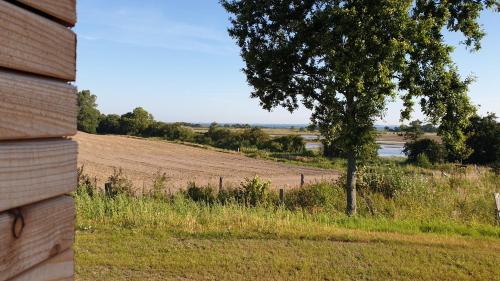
(130, 238)
(123, 254)
(422, 226)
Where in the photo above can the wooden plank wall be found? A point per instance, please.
(32, 171)
(58, 268)
(32, 43)
(33, 107)
(37, 156)
(62, 10)
(48, 231)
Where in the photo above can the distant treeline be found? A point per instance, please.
(139, 122)
(425, 128)
(482, 145)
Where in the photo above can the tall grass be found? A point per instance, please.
(393, 199)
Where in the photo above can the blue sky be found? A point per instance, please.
(175, 59)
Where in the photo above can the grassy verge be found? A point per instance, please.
(128, 238)
(111, 254)
(413, 224)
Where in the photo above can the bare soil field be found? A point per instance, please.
(140, 159)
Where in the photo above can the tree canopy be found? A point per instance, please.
(484, 139)
(88, 114)
(137, 121)
(345, 59)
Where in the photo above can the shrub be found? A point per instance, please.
(230, 195)
(255, 137)
(121, 185)
(315, 197)
(484, 140)
(203, 194)
(223, 138)
(433, 150)
(388, 181)
(159, 185)
(85, 183)
(423, 161)
(255, 191)
(292, 143)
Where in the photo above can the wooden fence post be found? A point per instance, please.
(282, 196)
(497, 202)
(302, 181)
(108, 189)
(220, 183)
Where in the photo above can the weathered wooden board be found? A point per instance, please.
(34, 44)
(64, 10)
(48, 231)
(31, 171)
(58, 268)
(32, 107)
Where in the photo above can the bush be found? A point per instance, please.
(255, 137)
(203, 194)
(388, 181)
(120, 184)
(85, 183)
(255, 191)
(315, 197)
(223, 138)
(292, 144)
(484, 140)
(251, 192)
(159, 185)
(423, 161)
(433, 150)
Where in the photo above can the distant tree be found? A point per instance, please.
(484, 139)
(223, 137)
(429, 128)
(136, 122)
(433, 151)
(312, 127)
(255, 137)
(346, 59)
(88, 114)
(109, 124)
(413, 131)
(177, 131)
(291, 143)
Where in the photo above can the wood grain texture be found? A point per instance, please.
(49, 231)
(58, 268)
(65, 10)
(34, 44)
(33, 107)
(31, 171)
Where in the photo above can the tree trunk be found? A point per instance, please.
(351, 184)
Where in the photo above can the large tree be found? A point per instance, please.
(136, 122)
(345, 60)
(88, 114)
